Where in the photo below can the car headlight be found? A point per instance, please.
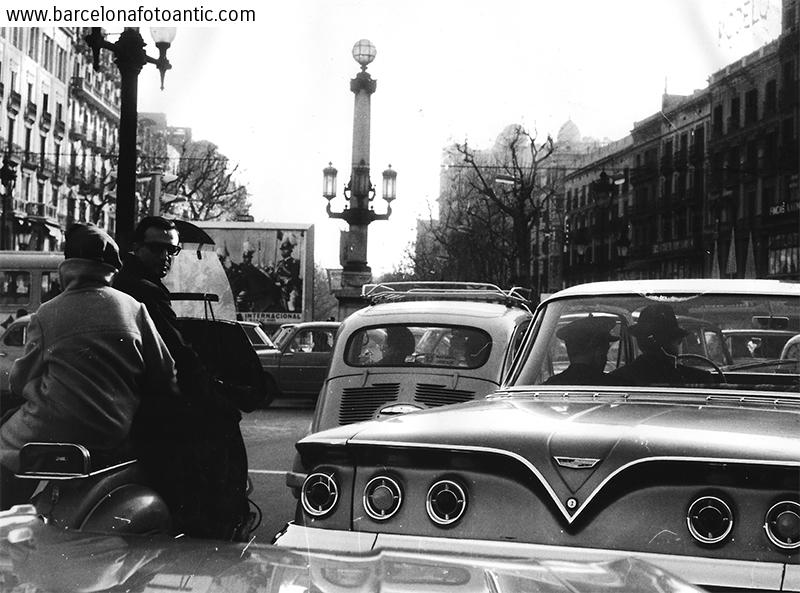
(446, 502)
(319, 494)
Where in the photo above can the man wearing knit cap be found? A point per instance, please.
(92, 356)
(587, 341)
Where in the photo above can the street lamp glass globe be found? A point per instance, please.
(389, 184)
(329, 182)
(364, 52)
(163, 34)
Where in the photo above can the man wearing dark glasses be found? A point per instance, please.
(203, 471)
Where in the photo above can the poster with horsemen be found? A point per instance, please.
(270, 267)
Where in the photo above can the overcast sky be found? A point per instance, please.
(275, 95)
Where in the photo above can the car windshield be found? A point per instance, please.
(676, 340)
(419, 346)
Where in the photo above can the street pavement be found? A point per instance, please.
(269, 436)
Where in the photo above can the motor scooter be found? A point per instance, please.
(89, 491)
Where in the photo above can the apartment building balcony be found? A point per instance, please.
(46, 168)
(46, 121)
(59, 175)
(14, 152)
(76, 175)
(91, 138)
(30, 160)
(83, 90)
(77, 131)
(59, 129)
(18, 207)
(14, 102)
(30, 112)
(41, 210)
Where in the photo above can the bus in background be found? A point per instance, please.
(27, 279)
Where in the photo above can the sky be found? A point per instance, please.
(274, 95)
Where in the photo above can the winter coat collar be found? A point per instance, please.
(78, 273)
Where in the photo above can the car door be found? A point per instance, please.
(304, 362)
(12, 346)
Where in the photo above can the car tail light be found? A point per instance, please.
(446, 502)
(382, 497)
(782, 524)
(710, 519)
(319, 494)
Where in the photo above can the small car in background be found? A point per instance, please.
(460, 339)
(12, 346)
(754, 345)
(296, 366)
(257, 336)
(695, 471)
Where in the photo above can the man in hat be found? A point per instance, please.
(93, 358)
(659, 337)
(587, 341)
(287, 276)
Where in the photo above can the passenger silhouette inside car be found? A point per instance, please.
(399, 345)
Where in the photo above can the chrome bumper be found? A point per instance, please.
(762, 576)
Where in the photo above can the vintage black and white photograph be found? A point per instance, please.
(359, 295)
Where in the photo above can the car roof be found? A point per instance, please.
(436, 312)
(681, 286)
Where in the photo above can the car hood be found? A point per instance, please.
(575, 443)
(45, 558)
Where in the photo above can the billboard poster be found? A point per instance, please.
(269, 266)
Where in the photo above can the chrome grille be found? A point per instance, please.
(361, 403)
(438, 395)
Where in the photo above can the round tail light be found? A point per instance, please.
(382, 497)
(446, 502)
(782, 524)
(710, 519)
(319, 494)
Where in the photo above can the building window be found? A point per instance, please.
(33, 43)
(770, 96)
(16, 36)
(717, 120)
(751, 106)
(736, 107)
(47, 53)
(784, 255)
(61, 63)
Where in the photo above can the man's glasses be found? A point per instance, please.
(158, 248)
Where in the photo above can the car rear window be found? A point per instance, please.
(419, 346)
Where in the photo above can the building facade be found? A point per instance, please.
(58, 135)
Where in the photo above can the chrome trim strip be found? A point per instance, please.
(570, 517)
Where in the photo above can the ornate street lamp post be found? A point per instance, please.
(358, 213)
(8, 178)
(130, 57)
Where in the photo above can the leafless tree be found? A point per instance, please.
(487, 229)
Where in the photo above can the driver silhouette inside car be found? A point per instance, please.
(587, 341)
(659, 337)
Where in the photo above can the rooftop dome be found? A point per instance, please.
(569, 133)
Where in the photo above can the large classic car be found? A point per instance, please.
(696, 469)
